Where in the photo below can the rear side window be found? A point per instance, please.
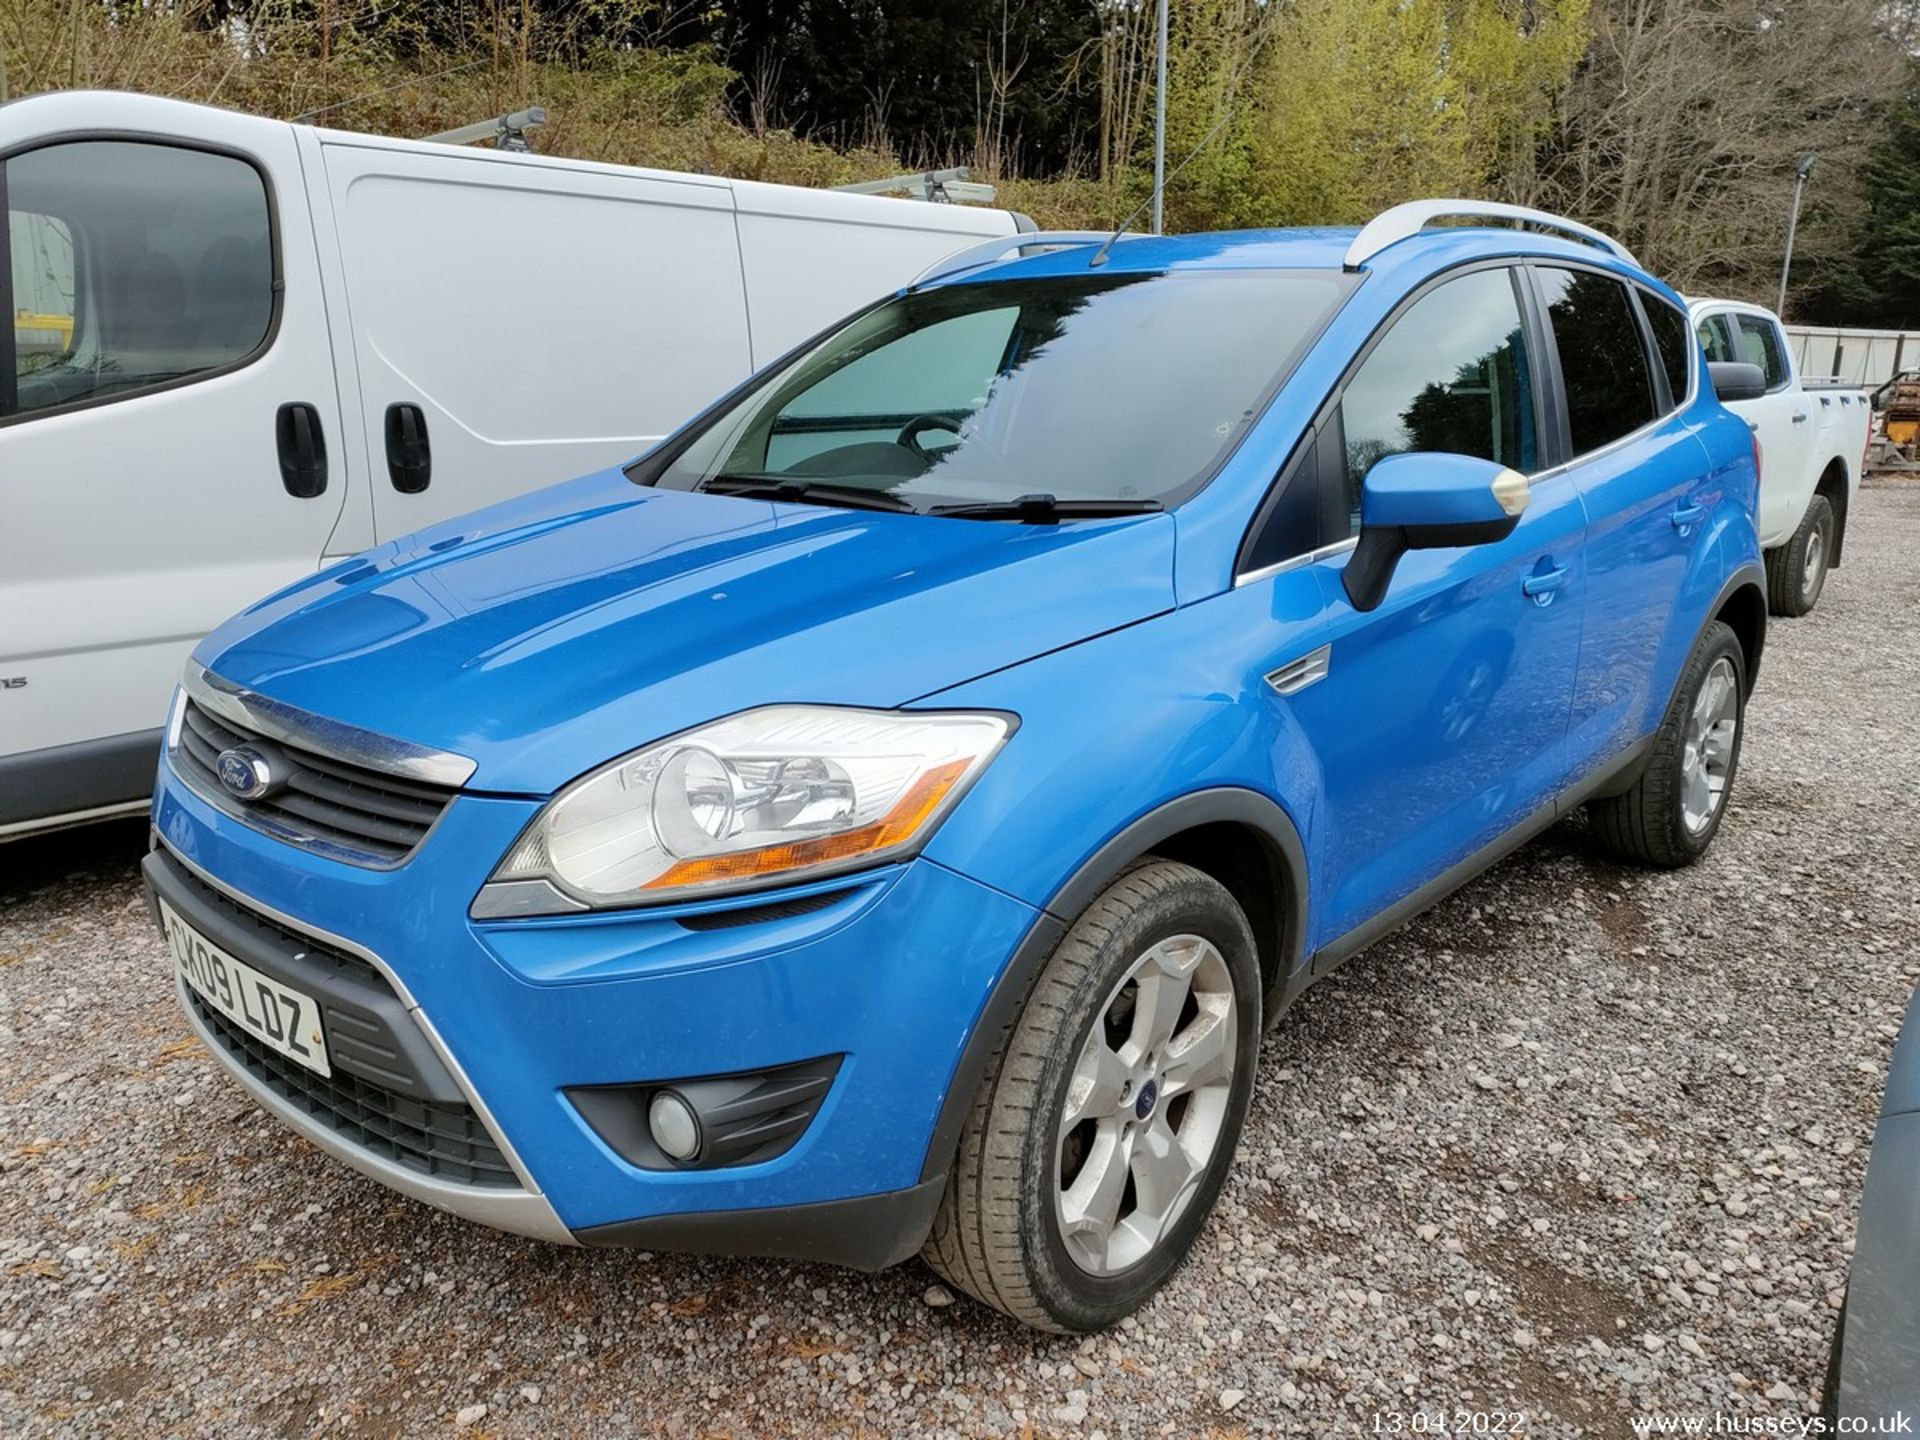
(130, 265)
(1450, 376)
(1602, 361)
(1673, 339)
(1760, 345)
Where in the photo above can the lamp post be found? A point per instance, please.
(1160, 126)
(1801, 169)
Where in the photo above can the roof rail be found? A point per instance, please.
(1403, 222)
(987, 251)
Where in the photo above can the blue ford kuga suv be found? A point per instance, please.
(884, 817)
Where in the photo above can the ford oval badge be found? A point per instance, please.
(244, 772)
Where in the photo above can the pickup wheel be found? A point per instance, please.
(1797, 571)
(1105, 1126)
(1669, 817)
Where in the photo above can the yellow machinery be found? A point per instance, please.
(1900, 411)
(32, 332)
(1897, 404)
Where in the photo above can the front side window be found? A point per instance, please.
(1674, 340)
(1450, 376)
(131, 265)
(1094, 386)
(1760, 345)
(1602, 361)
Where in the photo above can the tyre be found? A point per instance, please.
(1671, 814)
(1797, 571)
(1103, 1130)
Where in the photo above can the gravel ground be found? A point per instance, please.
(1582, 1142)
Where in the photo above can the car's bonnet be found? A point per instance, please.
(549, 634)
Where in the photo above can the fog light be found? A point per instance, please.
(675, 1128)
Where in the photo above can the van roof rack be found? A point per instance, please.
(988, 251)
(1403, 222)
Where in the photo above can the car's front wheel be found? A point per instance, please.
(1104, 1129)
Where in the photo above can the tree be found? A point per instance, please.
(1680, 129)
(1878, 285)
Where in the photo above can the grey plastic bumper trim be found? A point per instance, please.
(523, 1212)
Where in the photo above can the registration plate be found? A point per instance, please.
(278, 1016)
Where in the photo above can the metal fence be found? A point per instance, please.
(1866, 357)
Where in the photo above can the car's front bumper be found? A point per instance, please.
(889, 974)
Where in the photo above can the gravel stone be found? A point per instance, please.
(1678, 1072)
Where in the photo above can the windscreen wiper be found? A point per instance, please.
(1044, 509)
(807, 492)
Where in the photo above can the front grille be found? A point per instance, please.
(446, 1142)
(359, 815)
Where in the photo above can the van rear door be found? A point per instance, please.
(518, 320)
(169, 422)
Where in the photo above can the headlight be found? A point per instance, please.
(766, 797)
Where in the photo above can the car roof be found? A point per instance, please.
(1408, 261)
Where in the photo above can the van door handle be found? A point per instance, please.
(409, 458)
(1688, 516)
(1540, 585)
(303, 449)
(1801, 418)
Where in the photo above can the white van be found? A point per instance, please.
(243, 348)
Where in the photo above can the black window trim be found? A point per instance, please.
(10, 413)
(10, 341)
(1327, 431)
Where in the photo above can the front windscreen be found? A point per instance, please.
(1097, 386)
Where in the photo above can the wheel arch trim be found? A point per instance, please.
(1250, 809)
(1749, 576)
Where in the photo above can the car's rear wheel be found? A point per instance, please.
(1104, 1129)
(1797, 571)
(1674, 809)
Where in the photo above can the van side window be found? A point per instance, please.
(1675, 342)
(131, 265)
(1451, 376)
(1760, 345)
(1603, 363)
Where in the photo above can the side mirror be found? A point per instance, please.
(1428, 502)
(1736, 380)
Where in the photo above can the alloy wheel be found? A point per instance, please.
(1145, 1104)
(1706, 759)
(1813, 569)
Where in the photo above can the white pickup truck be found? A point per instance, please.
(1813, 446)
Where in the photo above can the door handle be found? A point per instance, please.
(1801, 418)
(303, 449)
(1541, 585)
(1688, 516)
(409, 458)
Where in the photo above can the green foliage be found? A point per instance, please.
(1880, 285)
(1670, 122)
